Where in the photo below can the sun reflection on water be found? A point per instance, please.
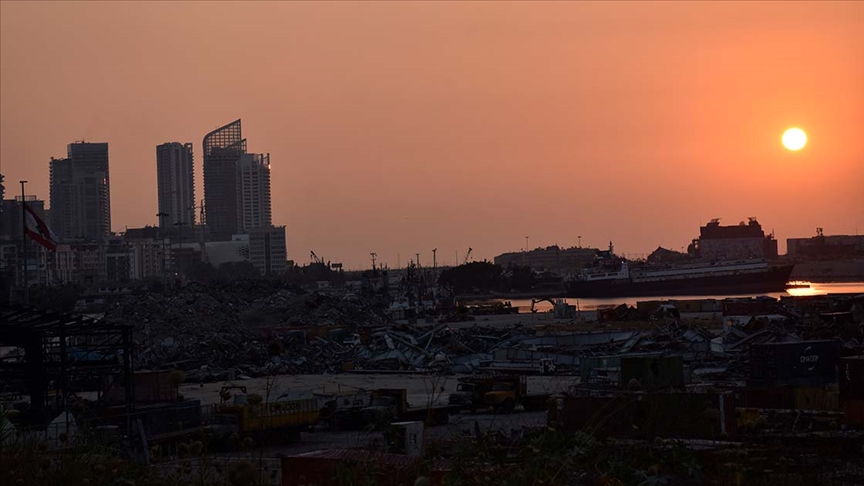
(798, 288)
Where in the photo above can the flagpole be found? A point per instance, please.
(26, 295)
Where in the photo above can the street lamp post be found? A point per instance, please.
(26, 284)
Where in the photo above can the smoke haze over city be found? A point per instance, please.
(401, 127)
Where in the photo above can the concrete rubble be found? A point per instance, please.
(231, 332)
(251, 329)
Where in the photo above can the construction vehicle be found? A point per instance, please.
(470, 391)
(342, 411)
(391, 405)
(248, 416)
(511, 390)
(560, 308)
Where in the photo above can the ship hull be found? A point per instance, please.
(772, 280)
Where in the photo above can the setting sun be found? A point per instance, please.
(794, 139)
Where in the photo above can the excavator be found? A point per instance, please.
(560, 308)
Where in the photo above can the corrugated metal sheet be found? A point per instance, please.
(516, 354)
(584, 339)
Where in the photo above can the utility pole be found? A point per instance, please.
(580, 241)
(26, 294)
(418, 259)
(526, 243)
(434, 260)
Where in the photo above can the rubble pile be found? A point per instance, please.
(212, 332)
(188, 330)
(258, 329)
(288, 308)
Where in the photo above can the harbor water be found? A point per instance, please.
(809, 288)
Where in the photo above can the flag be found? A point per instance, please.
(38, 230)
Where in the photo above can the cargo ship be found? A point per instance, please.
(616, 277)
(724, 260)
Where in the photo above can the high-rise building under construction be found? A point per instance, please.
(80, 192)
(236, 184)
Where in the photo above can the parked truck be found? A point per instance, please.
(511, 390)
(391, 405)
(268, 422)
(470, 391)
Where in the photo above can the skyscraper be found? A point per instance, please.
(253, 191)
(80, 192)
(267, 250)
(222, 149)
(176, 182)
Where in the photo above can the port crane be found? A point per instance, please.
(315, 258)
(467, 255)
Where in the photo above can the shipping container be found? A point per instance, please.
(791, 397)
(777, 397)
(817, 398)
(689, 306)
(852, 378)
(712, 305)
(646, 415)
(592, 366)
(653, 371)
(648, 307)
(854, 411)
(158, 419)
(148, 387)
(808, 363)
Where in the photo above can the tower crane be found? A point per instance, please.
(315, 258)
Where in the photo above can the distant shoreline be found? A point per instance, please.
(539, 294)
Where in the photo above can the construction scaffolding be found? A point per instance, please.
(57, 358)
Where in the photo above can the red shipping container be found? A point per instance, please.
(854, 412)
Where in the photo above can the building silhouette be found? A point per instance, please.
(176, 184)
(253, 192)
(267, 250)
(222, 150)
(80, 192)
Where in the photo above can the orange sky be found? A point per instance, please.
(402, 127)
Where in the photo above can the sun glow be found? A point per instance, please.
(794, 139)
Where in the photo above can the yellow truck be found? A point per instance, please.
(265, 421)
(511, 390)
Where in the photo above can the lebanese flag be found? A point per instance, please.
(38, 230)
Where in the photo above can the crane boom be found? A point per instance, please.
(467, 255)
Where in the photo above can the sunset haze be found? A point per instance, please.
(402, 127)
